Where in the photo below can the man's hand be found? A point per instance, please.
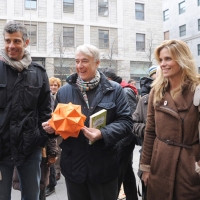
(145, 177)
(92, 134)
(48, 128)
(51, 160)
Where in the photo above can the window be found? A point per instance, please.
(182, 30)
(198, 48)
(103, 39)
(32, 31)
(181, 7)
(30, 4)
(68, 6)
(166, 15)
(139, 11)
(103, 8)
(198, 24)
(40, 61)
(166, 35)
(140, 42)
(198, 2)
(68, 37)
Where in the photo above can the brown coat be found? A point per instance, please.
(172, 168)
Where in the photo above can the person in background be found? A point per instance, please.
(91, 170)
(132, 82)
(55, 84)
(171, 151)
(140, 114)
(127, 145)
(24, 105)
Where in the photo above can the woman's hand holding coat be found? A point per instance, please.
(145, 177)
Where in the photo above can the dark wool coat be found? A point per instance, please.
(172, 168)
(98, 162)
(24, 105)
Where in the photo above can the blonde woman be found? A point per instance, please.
(171, 151)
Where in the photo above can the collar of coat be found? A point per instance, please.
(182, 101)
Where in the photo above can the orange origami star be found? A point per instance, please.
(67, 120)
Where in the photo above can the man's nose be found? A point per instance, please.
(79, 64)
(11, 45)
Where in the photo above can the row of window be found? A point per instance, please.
(68, 6)
(182, 31)
(69, 37)
(103, 7)
(181, 10)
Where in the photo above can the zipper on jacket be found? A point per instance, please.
(172, 111)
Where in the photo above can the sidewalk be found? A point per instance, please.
(61, 193)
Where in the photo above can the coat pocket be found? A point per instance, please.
(66, 161)
(111, 110)
(31, 95)
(3, 95)
(31, 140)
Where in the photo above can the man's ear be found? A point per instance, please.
(98, 63)
(27, 42)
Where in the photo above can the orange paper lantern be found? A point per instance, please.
(67, 120)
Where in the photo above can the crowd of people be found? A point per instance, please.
(163, 117)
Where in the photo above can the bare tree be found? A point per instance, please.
(65, 67)
(110, 56)
(151, 43)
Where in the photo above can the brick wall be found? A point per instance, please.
(79, 35)
(42, 8)
(18, 8)
(42, 32)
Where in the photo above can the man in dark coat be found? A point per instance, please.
(91, 170)
(24, 105)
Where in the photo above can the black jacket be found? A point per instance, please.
(145, 85)
(24, 105)
(97, 162)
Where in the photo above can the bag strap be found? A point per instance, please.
(196, 102)
(144, 189)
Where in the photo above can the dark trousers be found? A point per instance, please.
(89, 191)
(43, 194)
(126, 173)
(52, 177)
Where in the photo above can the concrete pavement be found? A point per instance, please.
(61, 193)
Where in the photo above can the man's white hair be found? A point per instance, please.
(89, 50)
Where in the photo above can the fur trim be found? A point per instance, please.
(145, 168)
(197, 168)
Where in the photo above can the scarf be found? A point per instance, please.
(19, 65)
(86, 86)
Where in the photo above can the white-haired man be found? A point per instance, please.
(91, 171)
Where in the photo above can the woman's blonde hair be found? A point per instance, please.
(54, 79)
(180, 53)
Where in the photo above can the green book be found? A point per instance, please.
(98, 120)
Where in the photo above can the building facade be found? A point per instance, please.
(126, 32)
(182, 21)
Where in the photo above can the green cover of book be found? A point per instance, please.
(98, 119)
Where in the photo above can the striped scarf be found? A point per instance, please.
(86, 86)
